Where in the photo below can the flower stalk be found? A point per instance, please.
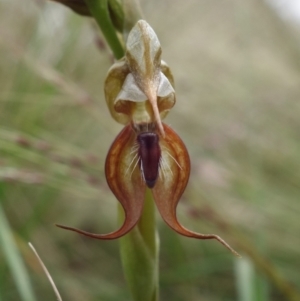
(100, 11)
(139, 254)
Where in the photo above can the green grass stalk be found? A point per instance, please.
(14, 260)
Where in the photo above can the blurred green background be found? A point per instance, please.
(237, 73)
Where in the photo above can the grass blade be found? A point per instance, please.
(14, 260)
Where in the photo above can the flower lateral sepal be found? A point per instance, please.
(128, 187)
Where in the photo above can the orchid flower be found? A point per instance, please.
(139, 91)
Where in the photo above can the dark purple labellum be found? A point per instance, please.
(149, 153)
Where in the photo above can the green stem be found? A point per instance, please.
(116, 14)
(139, 255)
(99, 10)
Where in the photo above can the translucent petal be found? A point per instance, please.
(164, 88)
(131, 91)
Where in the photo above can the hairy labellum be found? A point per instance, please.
(149, 153)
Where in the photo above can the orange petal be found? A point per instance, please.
(175, 171)
(124, 179)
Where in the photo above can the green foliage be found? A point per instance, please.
(236, 69)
